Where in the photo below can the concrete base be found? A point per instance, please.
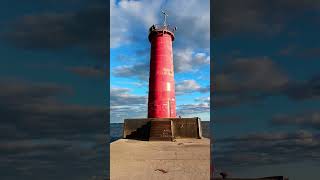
(161, 130)
(183, 159)
(145, 128)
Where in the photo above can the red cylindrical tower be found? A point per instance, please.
(161, 101)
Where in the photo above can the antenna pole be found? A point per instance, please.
(165, 18)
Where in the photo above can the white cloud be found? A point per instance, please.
(187, 60)
(133, 18)
(140, 70)
(182, 60)
(203, 99)
(189, 109)
(190, 86)
(202, 58)
(122, 97)
(129, 18)
(124, 104)
(193, 22)
(199, 109)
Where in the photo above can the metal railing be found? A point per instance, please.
(161, 27)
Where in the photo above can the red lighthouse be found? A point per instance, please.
(161, 101)
(162, 123)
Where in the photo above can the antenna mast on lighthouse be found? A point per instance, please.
(165, 15)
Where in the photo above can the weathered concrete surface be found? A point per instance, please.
(181, 127)
(187, 128)
(132, 125)
(184, 159)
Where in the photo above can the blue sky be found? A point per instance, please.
(129, 56)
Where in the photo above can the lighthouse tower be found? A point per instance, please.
(161, 101)
(162, 123)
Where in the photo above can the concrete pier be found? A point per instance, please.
(182, 159)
